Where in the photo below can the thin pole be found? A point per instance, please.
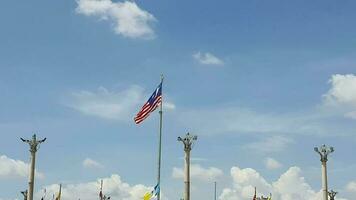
(215, 190)
(160, 144)
(324, 180)
(187, 175)
(324, 151)
(60, 192)
(187, 141)
(101, 190)
(31, 181)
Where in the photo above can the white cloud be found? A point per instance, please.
(245, 121)
(342, 96)
(244, 181)
(269, 144)
(290, 186)
(207, 58)
(272, 163)
(121, 106)
(351, 187)
(112, 186)
(198, 172)
(128, 19)
(106, 104)
(169, 106)
(10, 168)
(90, 163)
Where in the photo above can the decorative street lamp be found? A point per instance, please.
(188, 142)
(34, 146)
(324, 151)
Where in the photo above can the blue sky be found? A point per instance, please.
(260, 82)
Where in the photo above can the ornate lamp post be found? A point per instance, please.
(324, 151)
(188, 142)
(34, 146)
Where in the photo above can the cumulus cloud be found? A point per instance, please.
(291, 185)
(198, 172)
(272, 163)
(113, 187)
(128, 18)
(90, 163)
(111, 105)
(342, 96)
(10, 168)
(244, 181)
(207, 58)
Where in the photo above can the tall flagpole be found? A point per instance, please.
(160, 144)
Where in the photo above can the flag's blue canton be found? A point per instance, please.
(156, 93)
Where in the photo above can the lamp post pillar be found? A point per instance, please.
(188, 142)
(34, 145)
(324, 151)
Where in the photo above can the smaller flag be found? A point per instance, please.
(154, 193)
(152, 103)
(157, 189)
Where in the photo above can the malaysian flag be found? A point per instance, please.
(153, 102)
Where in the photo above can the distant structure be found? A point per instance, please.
(332, 195)
(262, 197)
(101, 195)
(34, 146)
(324, 151)
(188, 142)
(59, 195)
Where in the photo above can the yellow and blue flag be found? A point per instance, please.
(153, 194)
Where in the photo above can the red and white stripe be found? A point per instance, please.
(147, 109)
